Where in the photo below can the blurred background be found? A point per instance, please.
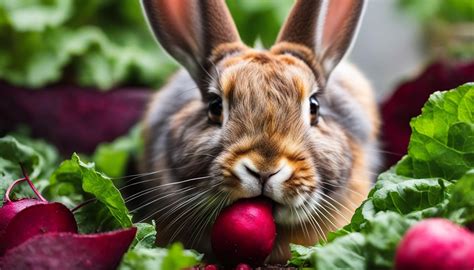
(78, 73)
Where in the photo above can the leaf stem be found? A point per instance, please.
(25, 174)
(6, 198)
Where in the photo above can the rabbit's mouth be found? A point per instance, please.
(302, 209)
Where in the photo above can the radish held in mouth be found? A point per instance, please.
(244, 232)
(25, 218)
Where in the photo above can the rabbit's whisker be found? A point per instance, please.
(336, 210)
(190, 198)
(161, 186)
(159, 198)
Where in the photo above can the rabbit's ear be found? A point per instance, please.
(190, 30)
(326, 27)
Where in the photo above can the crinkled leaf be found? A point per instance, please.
(441, 144)
(345, 252)
(461, 203)
(383, 233)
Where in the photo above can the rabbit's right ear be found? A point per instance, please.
(324, 28)
(191, 30)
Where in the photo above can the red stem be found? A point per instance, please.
(31, 184)
(9, 189)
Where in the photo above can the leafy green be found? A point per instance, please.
(442, 141)
(435, 179)
(174, 258)
(146, 235)
(86, 183)
(447, 10)
(346, 252)
(50, 40)
(36, 156)
(461, 204)
(103, 43)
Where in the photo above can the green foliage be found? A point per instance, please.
(435, 179)
(75, 181)
(259, 20)
(37, 157)
(442, 141)
(86, 183)
(446, 10)
(103, 43)
(92, 43)
(174, 258)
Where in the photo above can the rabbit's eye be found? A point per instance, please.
(314, 109)
(215, 109)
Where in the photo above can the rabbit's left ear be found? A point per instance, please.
(326, 27)
(191, 30)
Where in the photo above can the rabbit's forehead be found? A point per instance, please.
(262, 73)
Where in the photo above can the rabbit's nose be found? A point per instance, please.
(262, 176)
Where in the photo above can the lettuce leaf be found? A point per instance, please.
(435, 179)
(442, 140)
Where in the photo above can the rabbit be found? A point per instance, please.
(296, 123)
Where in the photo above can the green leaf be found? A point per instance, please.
(383, 233)
(301, 255)
(37, 156)
(36, 15)
(45, 41)
(461, 204)
(346, 252)
(441, 144)
(146, 236)
(174, 258)
(75, 181)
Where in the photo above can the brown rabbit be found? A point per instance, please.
(294, 123)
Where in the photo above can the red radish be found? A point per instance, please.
(244, 232)
(436, 244)
(25, 218)
(34, 220)
(211, 267)
(55, 251)
(243, 266)
(10, 209)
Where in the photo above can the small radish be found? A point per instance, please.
(243, 266)
(25, 218)
(211, 267)
(244, 232)
(436, 244)
(63, 250)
